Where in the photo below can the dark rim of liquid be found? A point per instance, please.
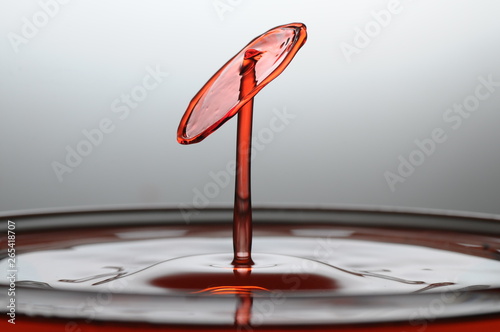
(292, 308)
(475, 223)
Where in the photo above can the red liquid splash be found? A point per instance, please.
(220, 98)
(231, 90)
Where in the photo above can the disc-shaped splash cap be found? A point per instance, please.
(220, 99)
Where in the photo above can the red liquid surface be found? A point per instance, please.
(241, 283)
(249, 286)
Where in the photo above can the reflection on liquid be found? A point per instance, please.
(225, 290)
(243, 312)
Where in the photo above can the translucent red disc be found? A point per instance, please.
(219, 99)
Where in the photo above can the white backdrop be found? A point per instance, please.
(392, 103)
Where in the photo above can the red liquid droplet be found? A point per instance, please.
(231, 90)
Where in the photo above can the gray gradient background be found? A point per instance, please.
(352, 120)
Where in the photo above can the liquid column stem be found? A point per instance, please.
(242, 218)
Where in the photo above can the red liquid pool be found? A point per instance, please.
(340, 270)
